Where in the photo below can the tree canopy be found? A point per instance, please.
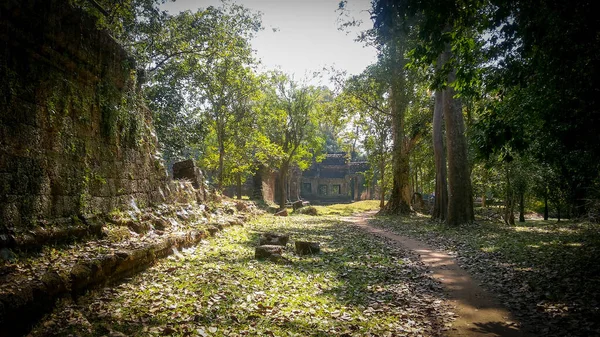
(463, 93)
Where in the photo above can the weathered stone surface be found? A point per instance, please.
(241, 206)
(297, 205)
(212, 230)
(283, 212)
(268, 252)
(307, 247)
(187, 170)
(67, 150)
(139, 227)
(159, 223)
(277, 239)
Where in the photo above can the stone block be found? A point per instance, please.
(275, 239)
(268, 252)
(307, 247)
(187, 170)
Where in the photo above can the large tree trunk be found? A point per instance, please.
(460, 194)
(440, 206)
(399, 202)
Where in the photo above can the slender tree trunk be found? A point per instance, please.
(460, 194)
(417, 178)
(483, 199)
(440, 206)
(399, 202)
(238, 181)
(509, 216)
(221, 158)
(558, 212)
(282, 189)
(382, 187)
(521, 206)
(545, 206)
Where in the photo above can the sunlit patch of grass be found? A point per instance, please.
(489, 249)
(348, 209)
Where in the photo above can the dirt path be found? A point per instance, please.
(479, 314)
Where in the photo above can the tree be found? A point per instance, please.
(226, 85)
(439, 32)
(460, 193)
(440, 207)
(544, 76)
(289, 119)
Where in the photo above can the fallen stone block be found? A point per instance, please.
(275, 239)
(297, 205)
(268, 252)
(187, 170)
(307, 247)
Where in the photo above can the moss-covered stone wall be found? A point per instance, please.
(75, 136)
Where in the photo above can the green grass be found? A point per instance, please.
(348, 209)
(357, 286)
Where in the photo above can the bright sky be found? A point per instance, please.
(307, 37)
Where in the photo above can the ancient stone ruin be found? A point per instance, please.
(76, 144)
(336, 178)
(187, 170)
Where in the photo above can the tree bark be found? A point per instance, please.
(238, 181)
(283, 171)
(521, 206)
(221, 158)
(509, 203)
(440, 206)
(460, 194)
(546, 206)
(382, 187)
(399, 202)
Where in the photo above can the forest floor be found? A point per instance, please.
(359, 285)
(545, 272)
(479, 314)
(356, 286)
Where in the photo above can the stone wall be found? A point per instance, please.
(75, 136)
(264, 187)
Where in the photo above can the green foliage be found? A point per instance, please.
(289, 118)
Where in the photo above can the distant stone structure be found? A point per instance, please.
(333, 179)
